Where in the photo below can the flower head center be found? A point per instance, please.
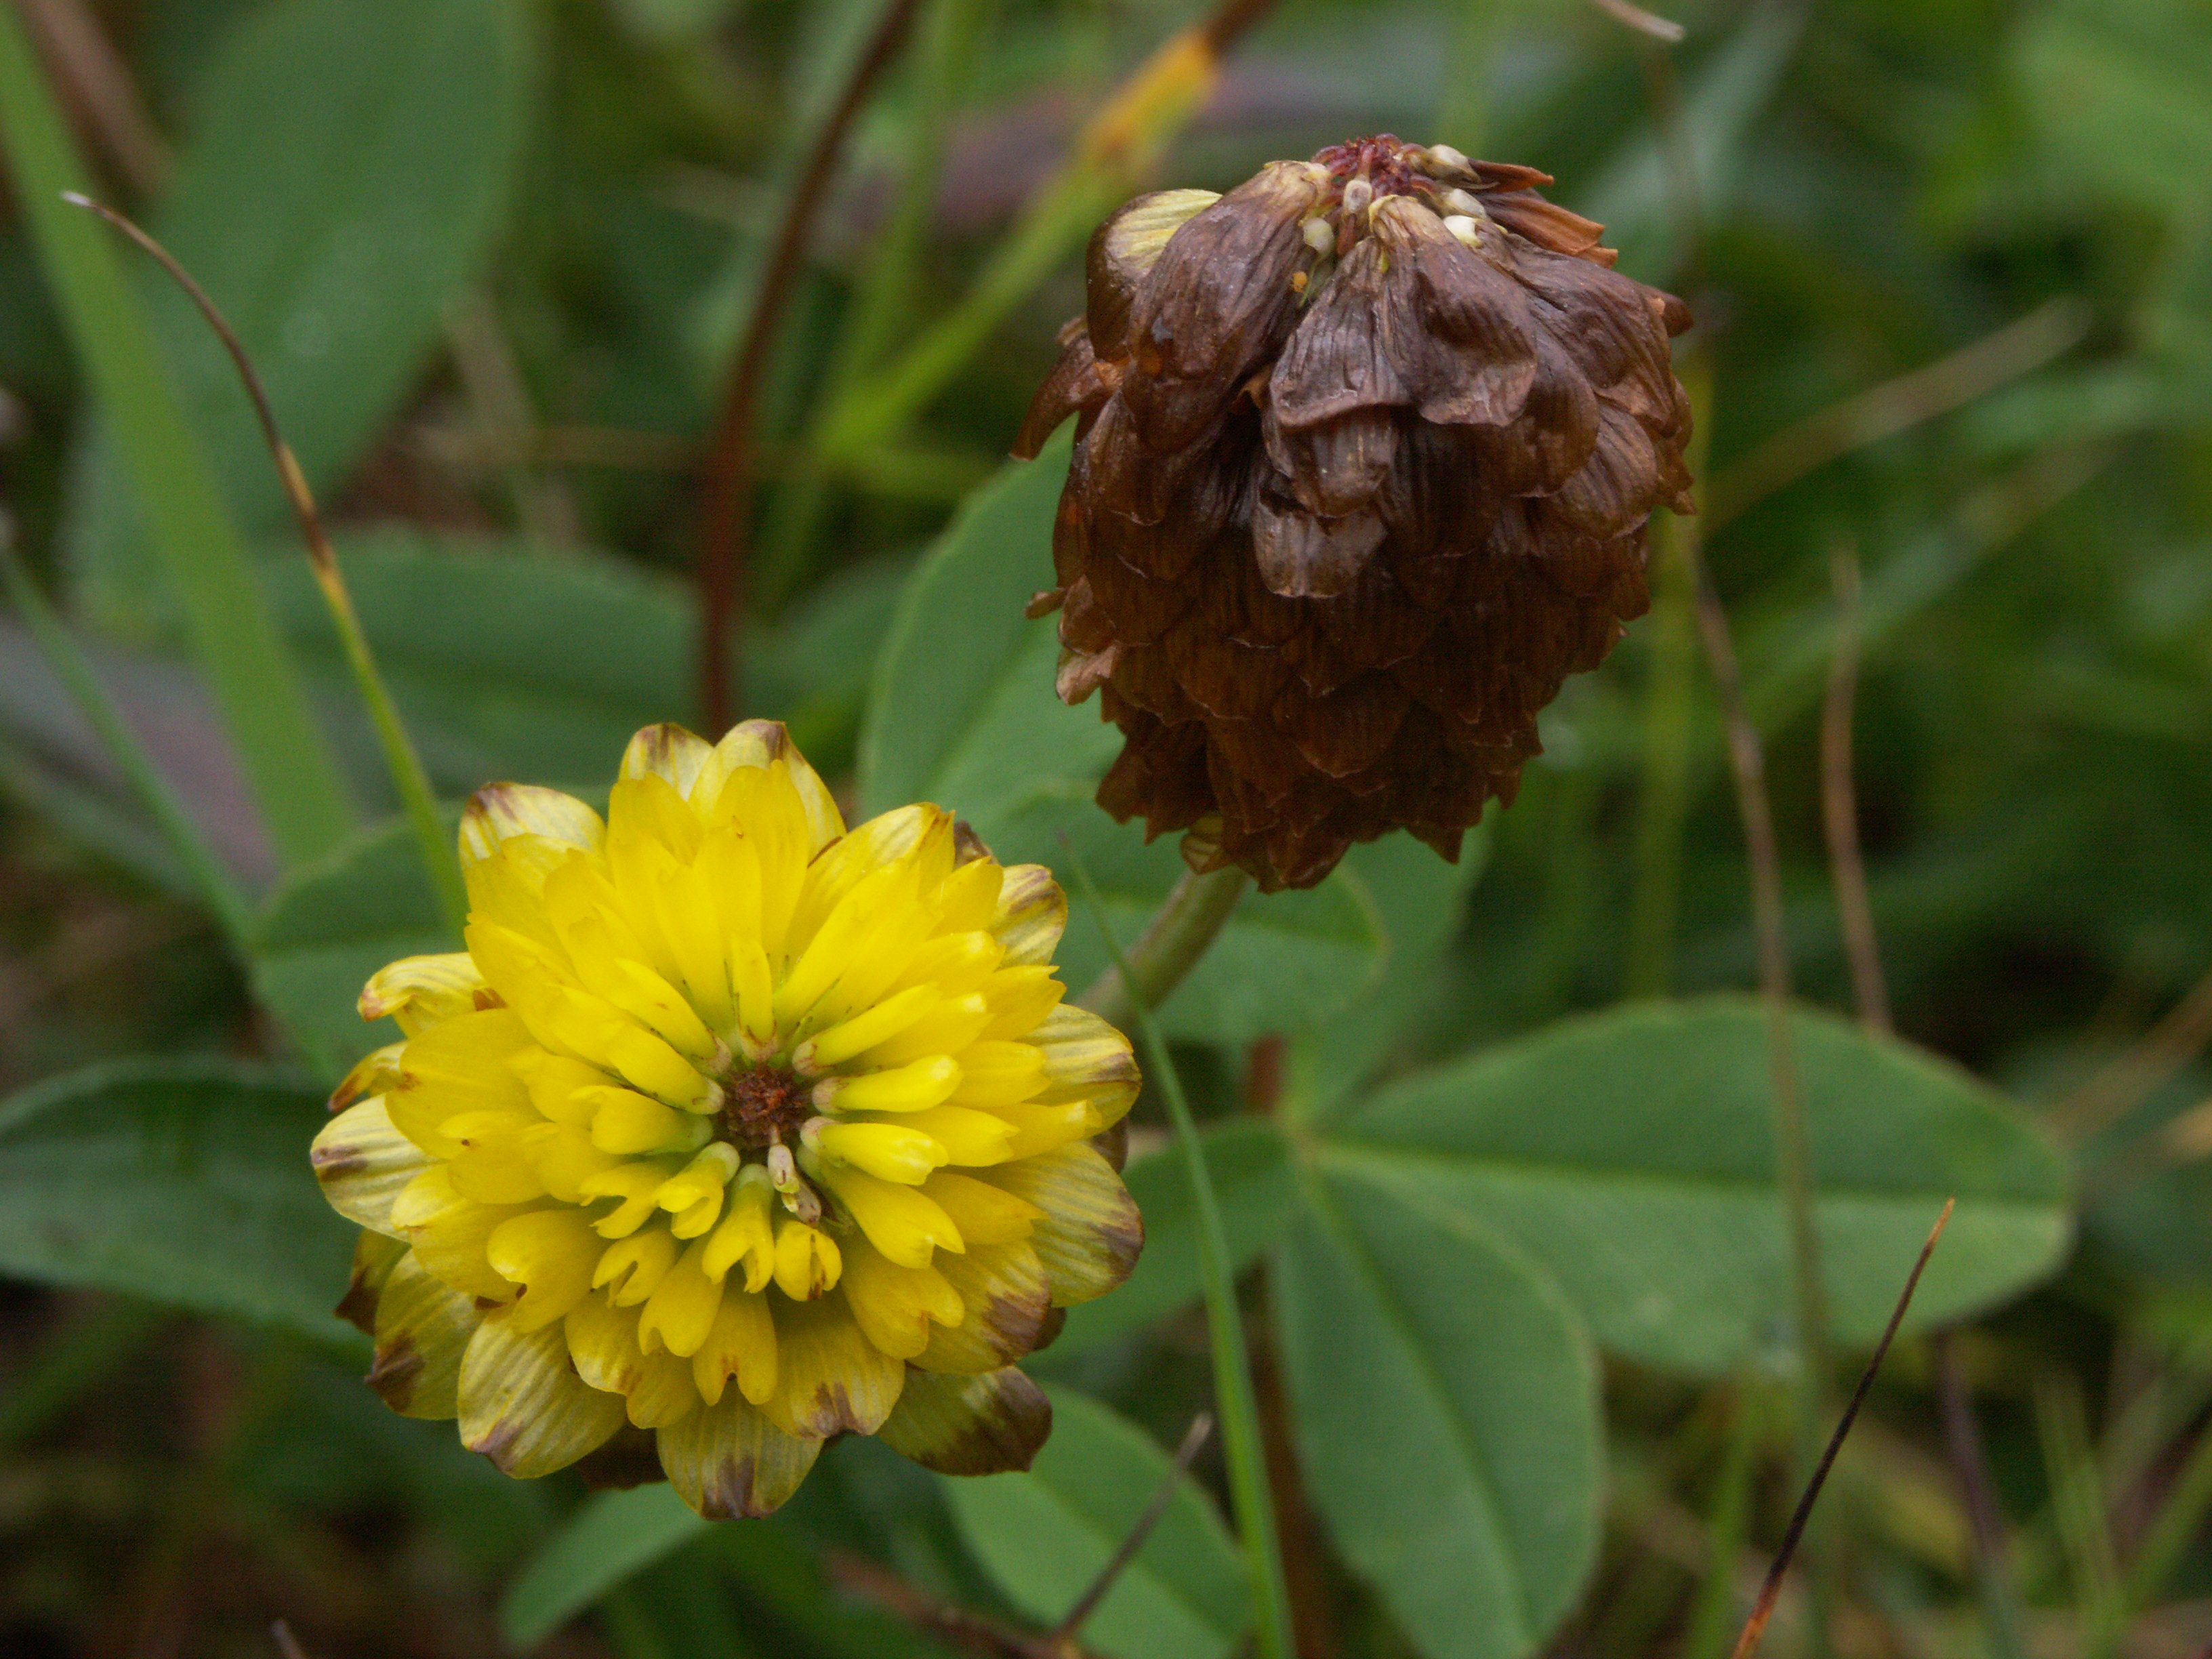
(763, 1105)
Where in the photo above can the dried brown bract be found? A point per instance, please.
(1365, 451)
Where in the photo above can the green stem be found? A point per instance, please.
(400, 760)
(416, 798)
(1183, 932)
(68, 661)
(1241, 1444)
(249, 667)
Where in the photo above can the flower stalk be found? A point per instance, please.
(1241, 1446)
(1178, 936)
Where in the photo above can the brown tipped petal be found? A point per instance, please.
(728, 1461)
(422, 1329)
(522, 1404)
(1006, 1295)
(1091, 1234)
(956, 1424)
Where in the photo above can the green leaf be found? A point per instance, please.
(186, 1182)
(1043, 1536)
(348, 176)
(1250, 1164)
(964, 713)
(1447, 1415)
(612, 1536)
(328, 928)
(1632, 1153)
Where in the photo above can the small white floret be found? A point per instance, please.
(1465, 229)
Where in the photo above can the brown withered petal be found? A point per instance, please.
(1365, 451)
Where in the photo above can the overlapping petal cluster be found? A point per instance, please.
(733, 1125)
(1364, 452)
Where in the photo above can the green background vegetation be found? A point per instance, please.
(1521, 1294)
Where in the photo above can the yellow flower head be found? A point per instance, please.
(734, 1124)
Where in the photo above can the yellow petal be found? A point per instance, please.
(553, 1081)
(1088, 1233)
(636, 1184)
(1007, 1297)
(492, 1165)
(742, 1345)
(423, 1328)
(708, 1173)
(838, 1044)
(681, 1309)
(647, 1061)
(664, 1393)
(550, 1254)
(747, 1234)
(985, 1212)
(1000, 1073)
(946, 1030)
(448, 1232)
(419, 992)
(910, 1088)
(1031, 915)
(1020, 998)
(460, 1066)
(564, 1158)
(762, 805)
(969, 1136)
(892, 1150)
(1085, 1058)
(920, 833)
(968, 900)
(898, 1220)
(630, 1269)
(729, 1460)
(1040, 1129)
(623, 1121)
(374, 1073)
(807, 1260)
(956, 963)
(893, 1305)
(500, 811)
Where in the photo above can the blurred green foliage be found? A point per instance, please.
(1953, 267)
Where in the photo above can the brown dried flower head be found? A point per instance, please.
(1364, 455)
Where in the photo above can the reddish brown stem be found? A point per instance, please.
(1763, 1609)
(726, 527)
